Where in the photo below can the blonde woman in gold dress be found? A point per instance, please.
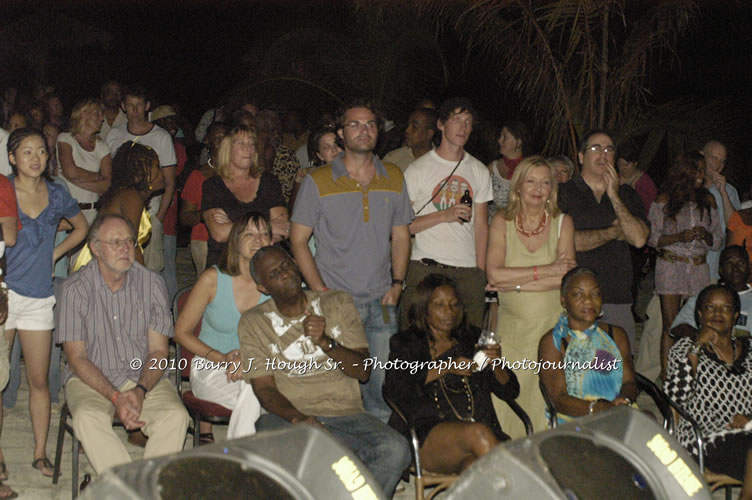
(530, 248)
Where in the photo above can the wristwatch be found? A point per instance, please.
(331, 345)
(396, 281)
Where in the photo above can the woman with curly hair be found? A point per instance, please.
(135, 177)
(684, 226)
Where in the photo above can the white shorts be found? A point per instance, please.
(27, 313)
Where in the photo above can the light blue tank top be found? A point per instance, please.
(219, 325)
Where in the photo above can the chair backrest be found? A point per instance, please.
(644, 384)
(184, 354)
(553, 417)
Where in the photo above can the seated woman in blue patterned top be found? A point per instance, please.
(586, 366)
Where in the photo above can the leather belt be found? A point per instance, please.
(432, 263)
(672, 257)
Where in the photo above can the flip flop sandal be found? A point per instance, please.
(43, 463)
(4, 488)
(206, 438)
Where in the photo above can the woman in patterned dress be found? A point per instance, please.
(578, 337)
(711, 377)
(684, 226)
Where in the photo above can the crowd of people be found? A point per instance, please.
(317, 261)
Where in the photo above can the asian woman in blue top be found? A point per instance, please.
(42, 207)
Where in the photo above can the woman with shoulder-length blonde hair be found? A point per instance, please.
(84, 158)
(530, 248)
(241, 186)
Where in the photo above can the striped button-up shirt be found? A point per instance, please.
(114, 325)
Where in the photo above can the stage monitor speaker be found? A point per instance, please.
(299, 463)
(621, 453)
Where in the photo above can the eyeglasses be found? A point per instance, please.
(126, 242)
(356, 125)
(597, 148)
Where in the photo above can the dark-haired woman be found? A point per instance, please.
(452, 409)
(136, 176)
(711, 377)
(567, 353)
(684, 226)
(513, 138)
(42, 205)
(218, 299)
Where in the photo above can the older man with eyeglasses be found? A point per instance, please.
(114, 323)
(608, 217)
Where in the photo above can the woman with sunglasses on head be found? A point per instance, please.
(135, 177)
(42, 206)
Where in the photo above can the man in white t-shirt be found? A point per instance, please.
(139, 129)
(450, 237)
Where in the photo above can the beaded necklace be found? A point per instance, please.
(538, 230)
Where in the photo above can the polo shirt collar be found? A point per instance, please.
(338, 167)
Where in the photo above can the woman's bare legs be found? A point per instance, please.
(451, 447)
(36, 346)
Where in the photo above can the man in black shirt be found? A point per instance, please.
(608, 217)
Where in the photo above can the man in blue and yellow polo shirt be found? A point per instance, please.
(358, 209)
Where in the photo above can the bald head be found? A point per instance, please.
(715, 156)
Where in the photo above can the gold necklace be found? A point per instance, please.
(470, 399)
(538, 230)
(717, 353)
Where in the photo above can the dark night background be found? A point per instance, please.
(196, 53)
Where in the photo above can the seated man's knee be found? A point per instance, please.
(88, 418)
(395, 449)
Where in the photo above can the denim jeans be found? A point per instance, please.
(383, 450)
(380, 323)
(169, 250)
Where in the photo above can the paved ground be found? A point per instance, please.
(17, 436)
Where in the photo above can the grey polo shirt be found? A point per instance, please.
(353, 226)
(113, 325)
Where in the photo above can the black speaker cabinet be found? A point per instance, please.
(301, 462)
(621, 453)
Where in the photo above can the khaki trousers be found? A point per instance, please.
(164, 414)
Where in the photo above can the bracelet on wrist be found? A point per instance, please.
(591, 407)
(535, 273)
(209, 352)
(115, 396)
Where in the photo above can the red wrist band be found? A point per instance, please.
(115, 396)
(535, 273)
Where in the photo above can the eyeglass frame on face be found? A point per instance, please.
(120, 243)
(356, 125)
(597, 148)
